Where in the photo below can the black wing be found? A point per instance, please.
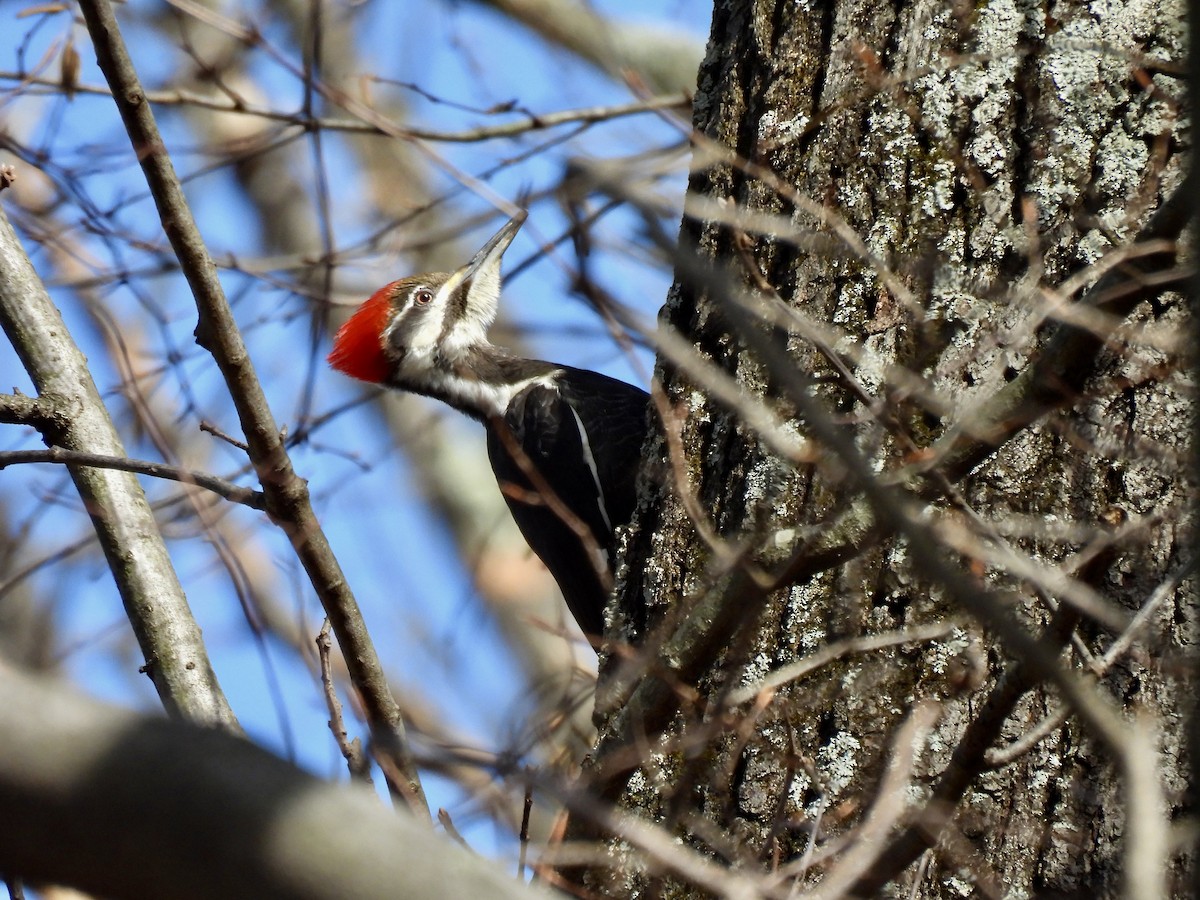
(583, 437)
(614, 416)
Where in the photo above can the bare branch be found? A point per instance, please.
(37, 412)
(831, 652)
(352, 751)
(656, 57)
(891, 801)
(176, 659)
(219, 486)
(286, 493)
(67, 762)
(523, 125)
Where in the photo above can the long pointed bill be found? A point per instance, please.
(490, 253)
(497, 243)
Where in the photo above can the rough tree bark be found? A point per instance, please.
(986, 155)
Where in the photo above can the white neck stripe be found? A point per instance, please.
(483, 398)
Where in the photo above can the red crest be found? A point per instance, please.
(358, 346)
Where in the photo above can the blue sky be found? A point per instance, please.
(400, 561)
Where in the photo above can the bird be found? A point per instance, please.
(564, 442)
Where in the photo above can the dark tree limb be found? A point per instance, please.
(965, 764)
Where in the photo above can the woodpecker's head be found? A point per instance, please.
(417, 326)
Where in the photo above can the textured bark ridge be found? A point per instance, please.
(985, 155)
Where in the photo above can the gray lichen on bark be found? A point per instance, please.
(985, 154)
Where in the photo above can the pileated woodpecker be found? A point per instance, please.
(564, 443)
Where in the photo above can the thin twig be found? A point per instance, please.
(216, 432)
(452, 832)
(227, 489)
(526, 810)
(831, 652)
(356, 760)
(586, 115)
(891, 800)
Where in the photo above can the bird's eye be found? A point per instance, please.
(423, 298)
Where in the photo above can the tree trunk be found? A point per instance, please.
(992, 159)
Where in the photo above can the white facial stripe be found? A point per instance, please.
(415, 329)
(449, 286)
(482, 298)
(426, 333)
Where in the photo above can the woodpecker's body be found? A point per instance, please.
(564, 443)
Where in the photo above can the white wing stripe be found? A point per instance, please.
(591, 462)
